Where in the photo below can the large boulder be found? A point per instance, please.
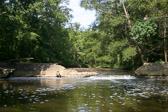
(153, 69)
(38, 70)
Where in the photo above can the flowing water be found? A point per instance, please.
(102, 93)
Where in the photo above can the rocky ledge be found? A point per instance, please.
(41, 70)
(153, 70)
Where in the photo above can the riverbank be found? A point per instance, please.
(148, 70)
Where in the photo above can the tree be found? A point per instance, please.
(34, 29)
(157, 10)
(121, 20)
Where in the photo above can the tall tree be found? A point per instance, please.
(137, 20)
(34, 28)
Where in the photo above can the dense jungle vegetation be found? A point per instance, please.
(125, 34)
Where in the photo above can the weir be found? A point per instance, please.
(112, 77)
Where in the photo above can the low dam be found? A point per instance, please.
(40, 70)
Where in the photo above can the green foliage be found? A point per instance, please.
(34, 29)
(117, 46)
(37, 29)
(104, 59)
(128, 53)
(85, 46)
(142, 30)
(121, 41)
(159, 61)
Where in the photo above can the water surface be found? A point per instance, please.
(103, 93)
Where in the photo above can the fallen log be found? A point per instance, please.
(17, 60)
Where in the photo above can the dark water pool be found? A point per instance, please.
(112, 93)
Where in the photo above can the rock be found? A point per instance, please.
(75, 73)
(66, 73)
(5, 72)
(44, 70)
(51, 70)
(153, 69)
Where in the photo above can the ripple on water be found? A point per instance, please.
(25, 97)
(82, 111)
(20, 98)
(33, 96)
(73, 110)
(97, 101)
(43, 94)
(111, 103)
(36, 99)
(41, 102)
(134, 89)
(6, 92)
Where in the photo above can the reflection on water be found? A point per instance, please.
(113, 93)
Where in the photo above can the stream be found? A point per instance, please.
(101, 93)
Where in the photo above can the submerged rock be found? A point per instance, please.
(153, 69)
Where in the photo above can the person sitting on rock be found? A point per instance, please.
(58, 74)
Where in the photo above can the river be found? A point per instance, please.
(101, 93)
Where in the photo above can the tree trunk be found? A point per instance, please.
(165, 41)
(127, 15)
(130, 25)
(140, 52)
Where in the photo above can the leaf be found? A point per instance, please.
(128, 53)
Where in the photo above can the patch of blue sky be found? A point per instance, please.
(81, 15)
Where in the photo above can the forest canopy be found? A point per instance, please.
(125, 34)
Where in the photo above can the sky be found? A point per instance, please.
(80, 15)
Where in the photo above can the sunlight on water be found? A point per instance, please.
(108, 93)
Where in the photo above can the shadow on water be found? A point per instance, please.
(102, 93)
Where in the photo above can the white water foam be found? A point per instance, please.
(112, 77)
